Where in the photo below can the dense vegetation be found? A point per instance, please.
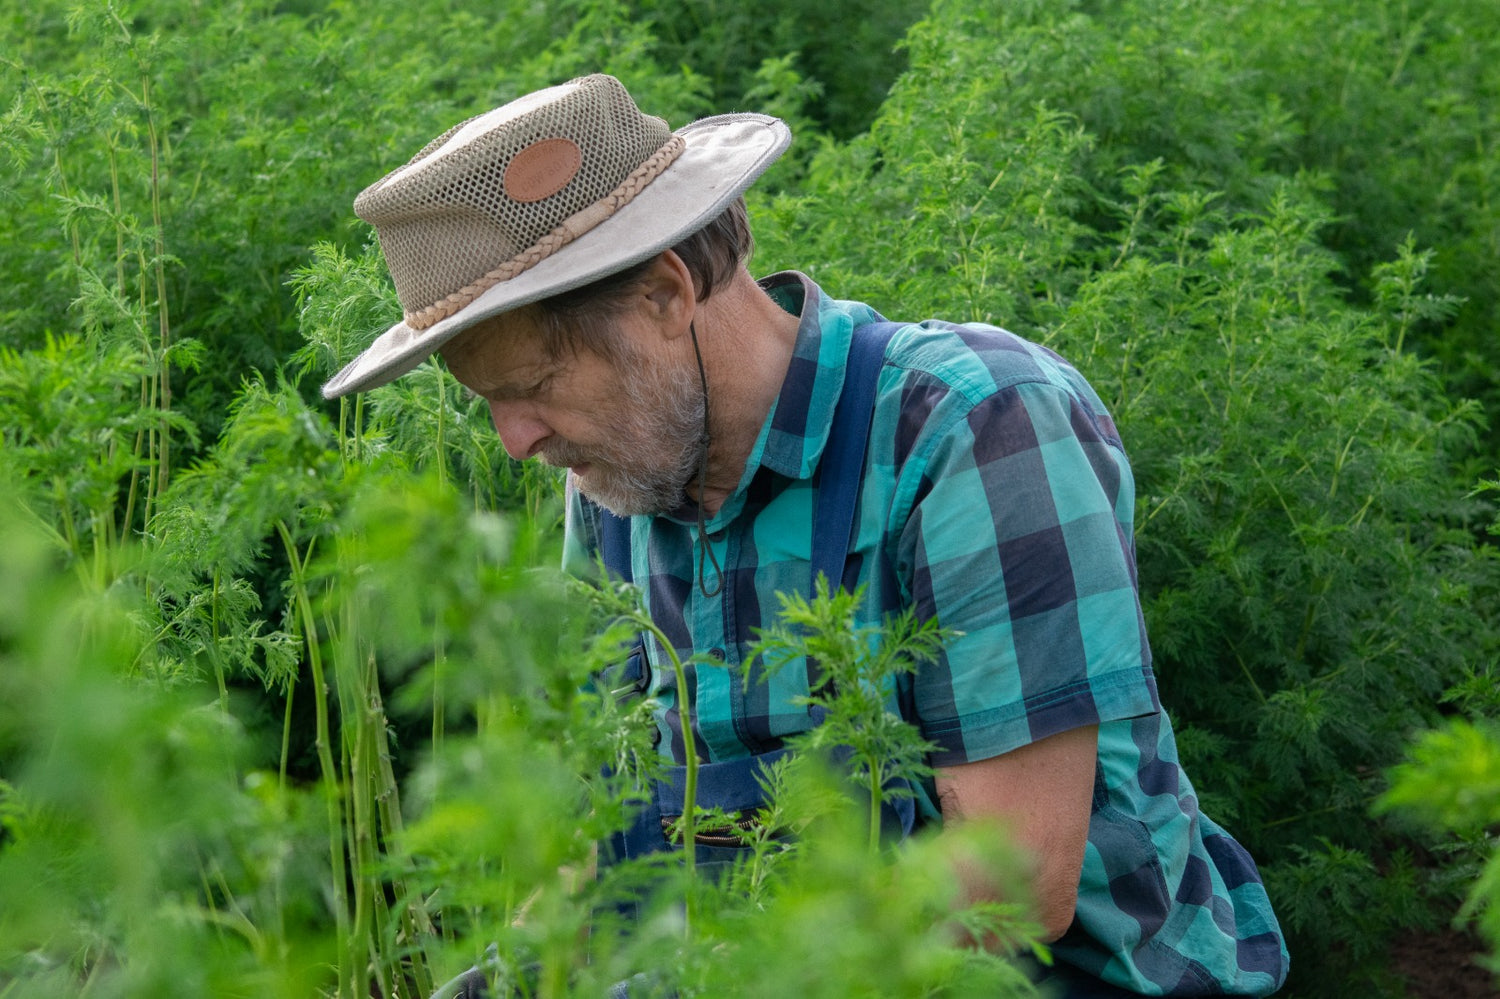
(241, 753)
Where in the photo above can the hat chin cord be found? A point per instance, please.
(705, 550)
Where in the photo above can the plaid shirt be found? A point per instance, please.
(998, 500)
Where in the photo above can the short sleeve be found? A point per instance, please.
(1014, 542)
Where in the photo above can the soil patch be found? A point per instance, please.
(1443, 965)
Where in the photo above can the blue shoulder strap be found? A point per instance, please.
(839, 476)
(842, 470)
(614, 543)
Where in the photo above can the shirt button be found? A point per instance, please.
(716, 654)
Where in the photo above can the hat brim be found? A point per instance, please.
(723, 156)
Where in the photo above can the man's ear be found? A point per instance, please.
(668, 294)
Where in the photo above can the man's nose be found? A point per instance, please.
(519, 428)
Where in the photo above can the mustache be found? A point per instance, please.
(566, 454)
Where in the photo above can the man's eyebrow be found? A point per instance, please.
(513, 389)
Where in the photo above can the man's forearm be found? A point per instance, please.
(1040, 795)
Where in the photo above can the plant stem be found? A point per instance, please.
(159, 254)
(213, 614)
(439, 706)
(135, 469)
(324, 743)
(439, 445)
(286, 731)
(687, 824)
(361, 830)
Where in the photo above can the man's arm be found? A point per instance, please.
(1042, 794)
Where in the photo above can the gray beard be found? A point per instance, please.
(659, 444)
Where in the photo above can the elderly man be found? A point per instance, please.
(582, 269)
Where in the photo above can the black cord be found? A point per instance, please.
(704, 548)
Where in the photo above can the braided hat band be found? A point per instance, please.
(555, 239)
(544, 194)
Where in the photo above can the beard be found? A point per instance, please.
(656, 443)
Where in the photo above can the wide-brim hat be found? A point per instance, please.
(545, 194)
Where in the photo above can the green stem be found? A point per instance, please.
(65, 514)
(687, 824)
(135, 469)
(439, 703)
(114, 188)
(1260, 695)
(286, 730)
(359, 428)
(214, 645)
(158, 262)
(344, 433)
(415, 919)
(442, 409)
(148, 502)
(354, 752)
(324, 743)
(159, 266)
(101, 527)
(1286, 820)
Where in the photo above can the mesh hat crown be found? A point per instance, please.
(547, 193)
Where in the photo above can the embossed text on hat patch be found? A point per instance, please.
(542, 169)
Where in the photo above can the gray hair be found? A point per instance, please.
(580, 318)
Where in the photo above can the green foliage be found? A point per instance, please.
(73, 426)
(278, 675)
(1388, 102)
(1338, 902)
(859, 667)
(1256, 531)
(838, 60)
(138, 856)
(1451, 780)
(900, 939)
(142, 853)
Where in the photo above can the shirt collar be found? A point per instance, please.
(796, 430)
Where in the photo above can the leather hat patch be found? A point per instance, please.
(542, 169)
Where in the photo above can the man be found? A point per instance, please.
(582, 269)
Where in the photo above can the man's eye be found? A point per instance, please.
(540, 387)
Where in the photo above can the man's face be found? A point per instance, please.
(630, 431)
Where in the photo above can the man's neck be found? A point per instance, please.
(747, 342)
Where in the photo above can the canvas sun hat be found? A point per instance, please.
(542, 195)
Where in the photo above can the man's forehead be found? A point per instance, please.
(515, 325)
(495, 347)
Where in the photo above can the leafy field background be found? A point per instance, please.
(291, 699)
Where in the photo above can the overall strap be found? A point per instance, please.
(614, 543)
(842, 470)
(629, 678)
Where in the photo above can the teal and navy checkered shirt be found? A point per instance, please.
(997, 499)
